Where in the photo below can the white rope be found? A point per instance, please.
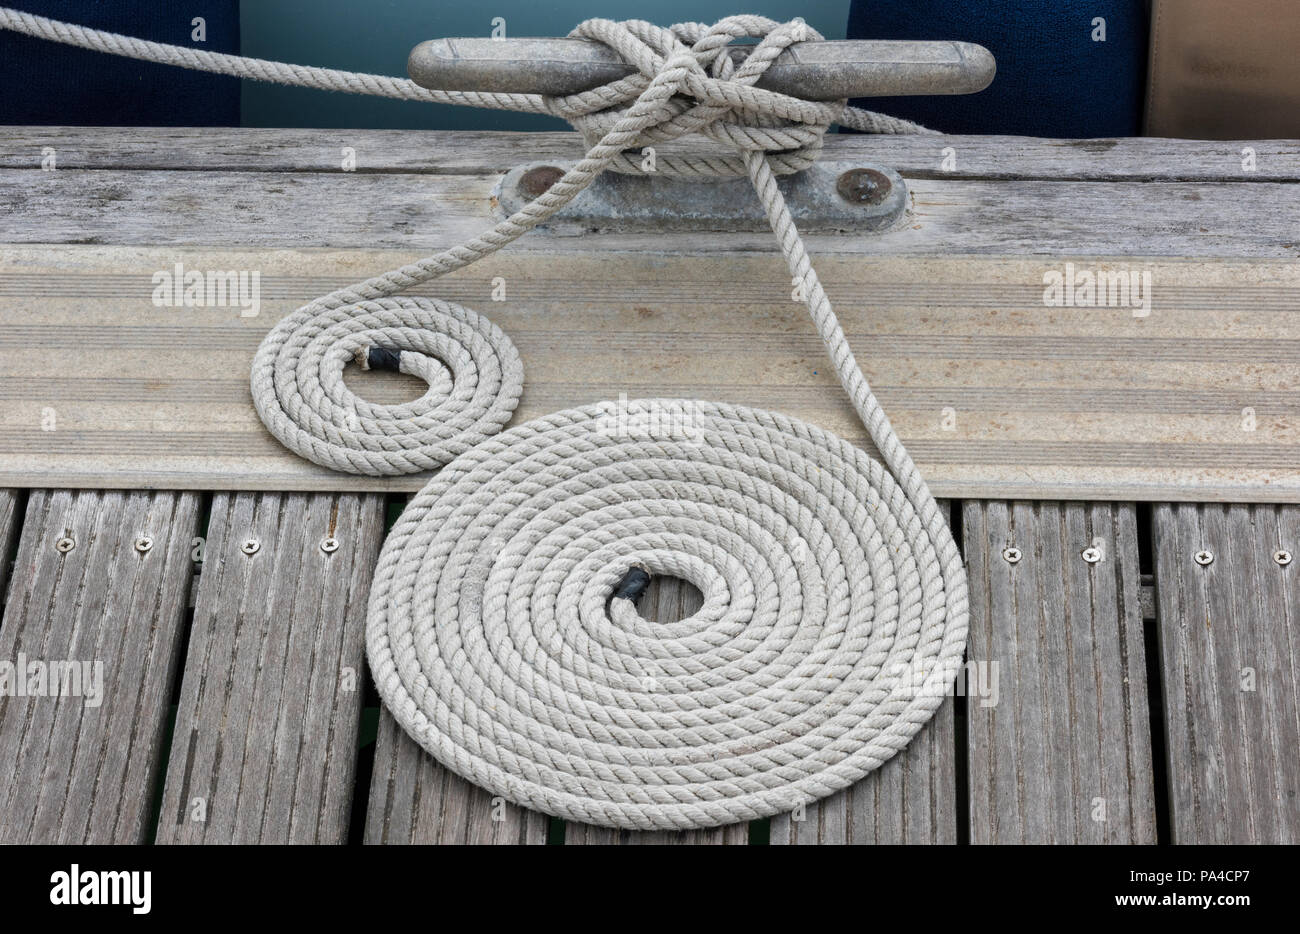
(835, 610)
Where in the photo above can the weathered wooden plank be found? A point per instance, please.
(457, 152)
(912, 798)
(265, 743)
(994, 393)
(948, 216)
(1061, 752)
(1230, 653)
(81, 768)
(414, 799)
(666, 600)
(11, 506)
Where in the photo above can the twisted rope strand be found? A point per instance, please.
(835, 601)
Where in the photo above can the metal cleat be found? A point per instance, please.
(829, 196)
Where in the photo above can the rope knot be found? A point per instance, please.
(708, 95)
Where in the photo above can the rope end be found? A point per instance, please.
(383, 358)
(633, 584)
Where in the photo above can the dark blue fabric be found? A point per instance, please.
(49, 84)
(1052, 80)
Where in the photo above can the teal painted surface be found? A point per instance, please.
(376, 36)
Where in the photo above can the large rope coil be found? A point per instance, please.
(831, 627)
(835, 611)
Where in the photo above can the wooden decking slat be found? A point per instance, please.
(77, 773)
(265, 743)
(10, 523)
(1064, 756)
(951, 215)
(413, 799)
(994, 394)
(456, 152)
(1230, 656)
(910, 799)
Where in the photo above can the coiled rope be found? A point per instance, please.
(835, 611)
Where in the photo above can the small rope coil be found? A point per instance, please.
(835, 600)
(474, 373)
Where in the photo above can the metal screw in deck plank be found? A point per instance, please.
(1282, 557)
(1092, 555)
(329, 545)
(1011, 555)
(143, 544)
(64, 545)
(251, 546)
(1204, 558)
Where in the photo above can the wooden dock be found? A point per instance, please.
(1126, 489)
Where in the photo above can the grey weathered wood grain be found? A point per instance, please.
(413, 799)
(912, 798)
(1068, 740)
(77, 773)
(666, 600)
(427, 212)
(457, 152)
(266, 730)
(1230, 657)
(11, 506)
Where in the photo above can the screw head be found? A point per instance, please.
(1203, 557)
(1011, 555)
(329, 545)
(1091, 554)
(863, 186)
(143, 544)
(64, 545)
(1282, 557)
(251, 546)
(536, 181)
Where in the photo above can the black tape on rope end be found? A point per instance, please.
(384, 358)
(633, 585)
